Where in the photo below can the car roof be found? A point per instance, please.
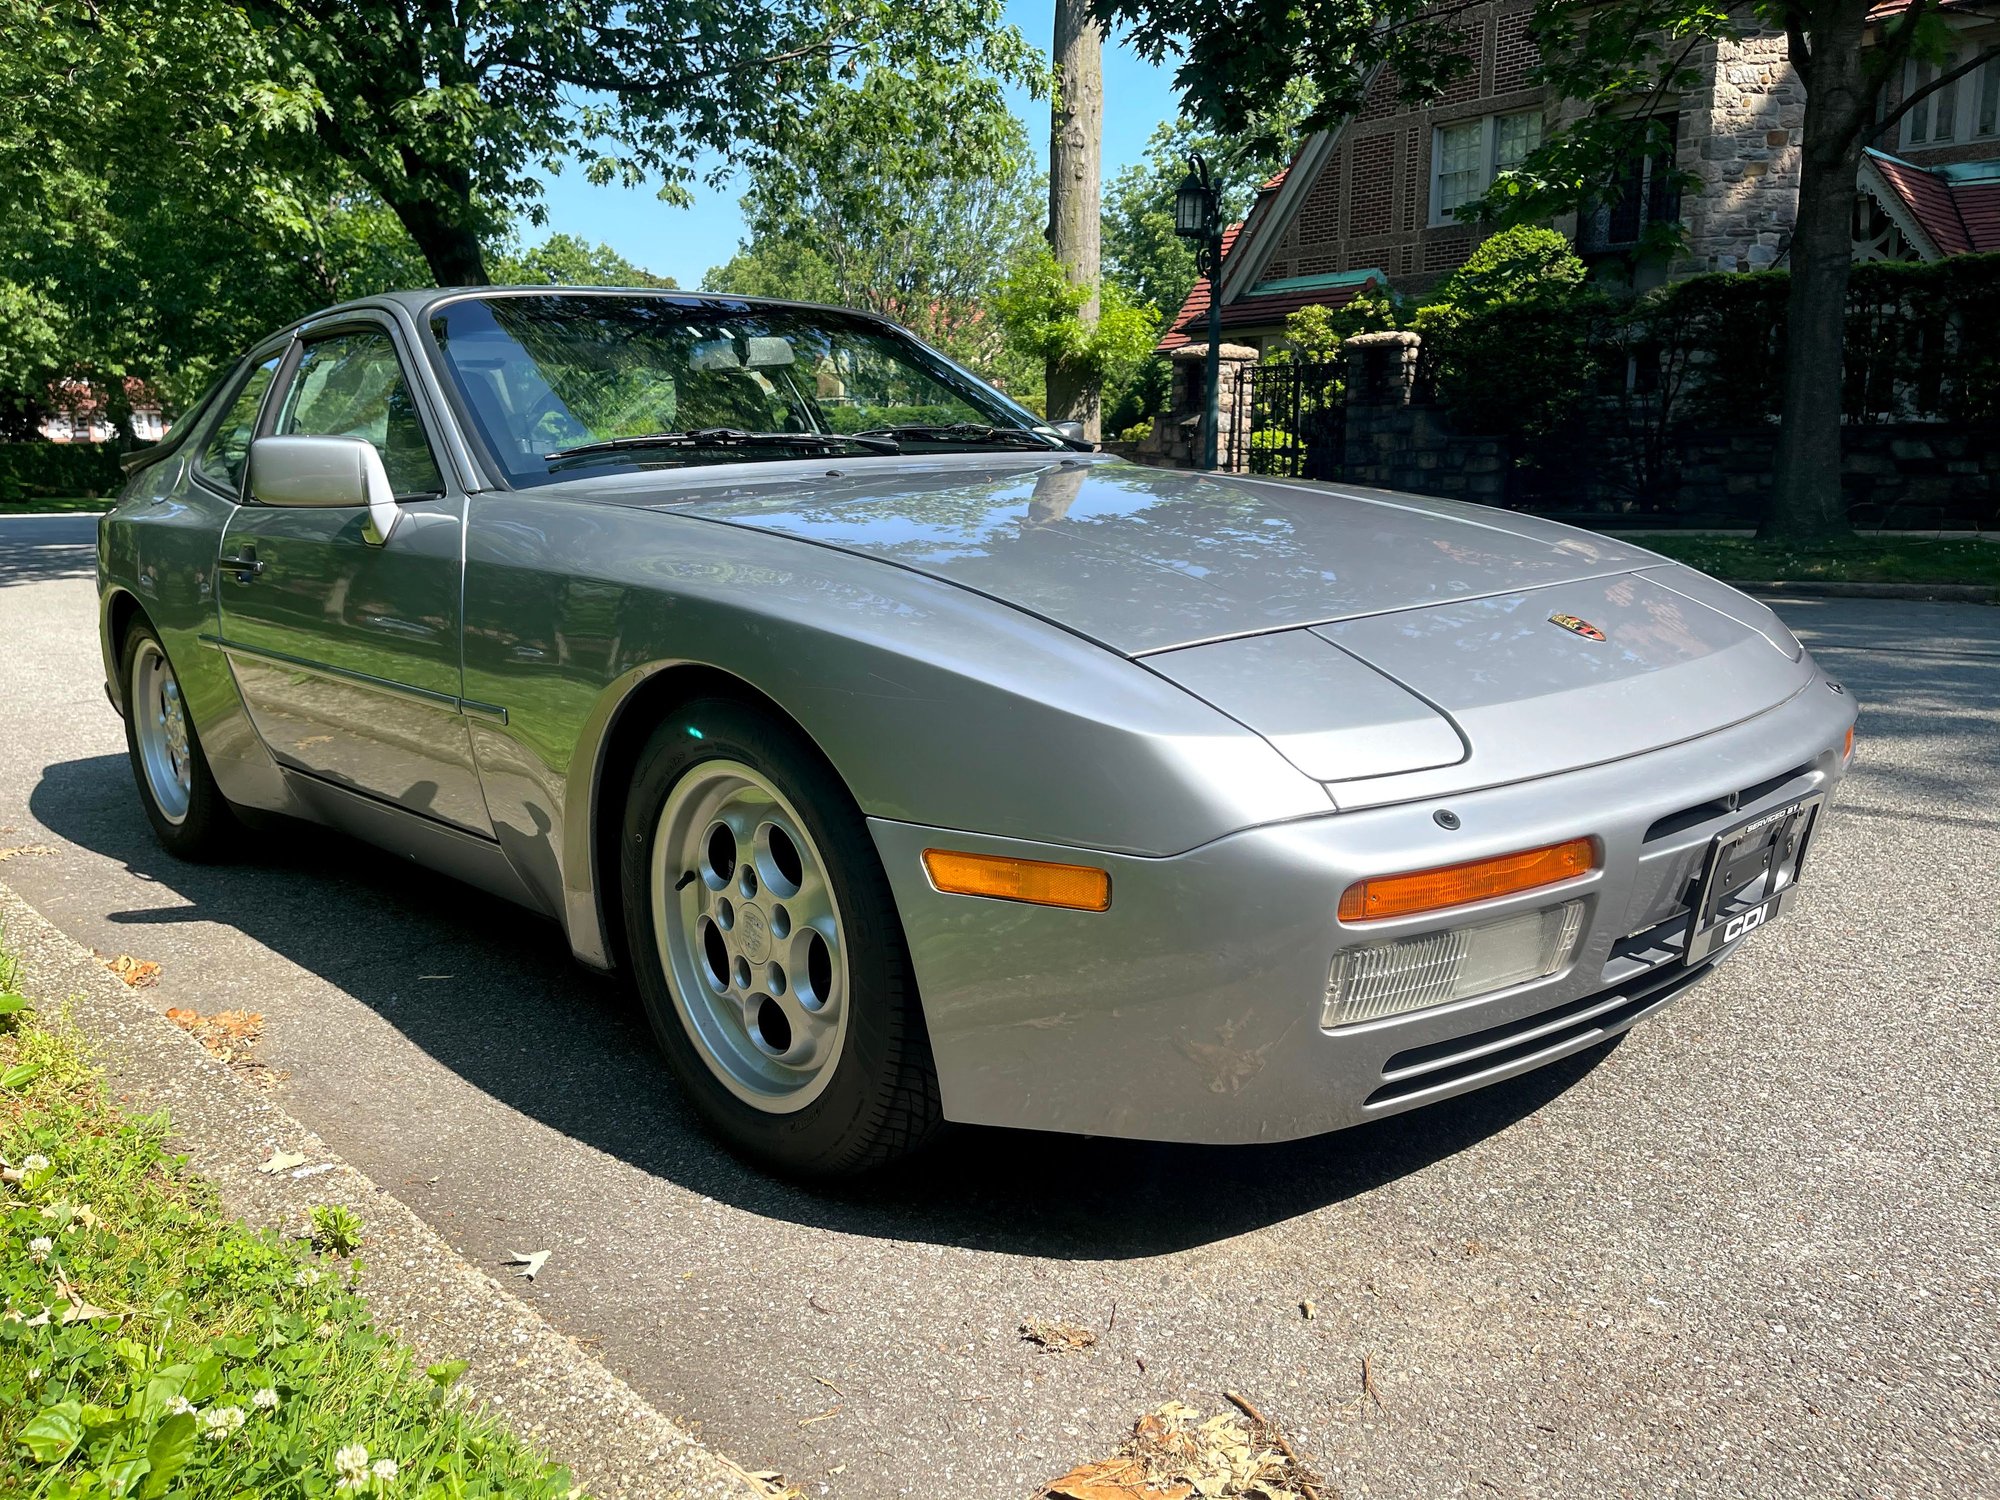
(418, 302)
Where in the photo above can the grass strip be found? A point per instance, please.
(1863, 559)
(151, 1346)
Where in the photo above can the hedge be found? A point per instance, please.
(33, 471)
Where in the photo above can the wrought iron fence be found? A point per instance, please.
(1296, 423)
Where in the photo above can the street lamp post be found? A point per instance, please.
(1198, 217)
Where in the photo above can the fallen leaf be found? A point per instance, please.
(533, 1261)
(1309, 1308)
(1057, 1336)
(228, 1033)
(1113, 1479)
(137, 972)
(22, 851)
(282, 1161)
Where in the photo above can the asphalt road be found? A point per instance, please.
(1748, 1250)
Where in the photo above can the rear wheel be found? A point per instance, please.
(767, 947)
(189, 815)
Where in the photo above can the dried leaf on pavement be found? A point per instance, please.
(281, 1161)
(227, 1033)
(1176, 1453)
(1055, 1335)
(137, 972)
(22, 851)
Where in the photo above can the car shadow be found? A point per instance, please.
(44, 548)
(489, 979)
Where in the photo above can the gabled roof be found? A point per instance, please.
(1951, 215)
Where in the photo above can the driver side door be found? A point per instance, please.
(346, 645)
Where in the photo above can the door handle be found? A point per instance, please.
(243, 567)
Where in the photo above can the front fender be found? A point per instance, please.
(935, 705)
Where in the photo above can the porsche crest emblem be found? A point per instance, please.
(1577, 626)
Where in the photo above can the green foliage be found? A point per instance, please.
(1142, 254)
(1040, 308)
(1509, 336)
(1863, 559)
(566, 260)
(906, 193)
(184, 1355)
(31, 470)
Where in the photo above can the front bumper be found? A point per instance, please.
(1190, 1011)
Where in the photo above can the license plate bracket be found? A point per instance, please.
(1751, 875)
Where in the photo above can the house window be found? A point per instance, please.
(1965, 108)
(1642, 192)
(1467, 156)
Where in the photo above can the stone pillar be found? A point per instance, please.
(1178, 434)
(1381, 369)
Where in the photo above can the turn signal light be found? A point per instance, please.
(1477, 880)
(1031, 880)
(1847, 750)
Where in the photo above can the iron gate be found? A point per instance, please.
(1297, 419)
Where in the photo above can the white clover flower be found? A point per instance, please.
(220, 1421)
(351, 1464)
(307, 1277)
(39, 1248)
(34, 1163)
(34, 1374)
(384, 1469)
(179, 1406)
(265, 1400)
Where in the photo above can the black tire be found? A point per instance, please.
(206, 826)
(881, 1101)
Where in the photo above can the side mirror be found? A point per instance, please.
(1073, 431)
(325, 472)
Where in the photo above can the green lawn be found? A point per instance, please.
(1864, 559)
(150, 1346)
(52, 505)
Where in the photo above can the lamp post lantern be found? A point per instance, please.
(1198, 217)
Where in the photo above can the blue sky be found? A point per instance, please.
(684, 242)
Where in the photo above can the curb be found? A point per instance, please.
(1961, 593)
(538, 1381)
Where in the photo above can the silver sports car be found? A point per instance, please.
(920, 764)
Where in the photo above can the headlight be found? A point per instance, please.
(1386, 979)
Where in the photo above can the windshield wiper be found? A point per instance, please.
(960, 432)
(729, 437)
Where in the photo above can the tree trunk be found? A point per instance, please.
(1806, 498)
(1076, 147)
(439, 225)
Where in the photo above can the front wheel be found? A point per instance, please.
(767, 947)
(189, 815)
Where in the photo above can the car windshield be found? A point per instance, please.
(565, 383)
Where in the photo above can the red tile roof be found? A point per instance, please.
(1960, 218)
(1275, 180)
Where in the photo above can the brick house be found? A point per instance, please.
(1373, 199)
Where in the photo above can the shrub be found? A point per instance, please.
(33, 471)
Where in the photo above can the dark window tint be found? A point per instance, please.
(228, 447)
(351, 385)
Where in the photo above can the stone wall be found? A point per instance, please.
(1740, 136)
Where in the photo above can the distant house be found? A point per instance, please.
(1374, 198)
(80, 414)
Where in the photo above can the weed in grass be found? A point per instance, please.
(149, 1346)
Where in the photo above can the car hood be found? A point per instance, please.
(1142, 560)
(1386, 644)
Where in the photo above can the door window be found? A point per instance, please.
(351, 385)
(228, 447)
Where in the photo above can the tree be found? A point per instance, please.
(565, 260)
(1618, 59)
(874, 211)
(1076, 170)
(448, 112)
(1142, 253)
